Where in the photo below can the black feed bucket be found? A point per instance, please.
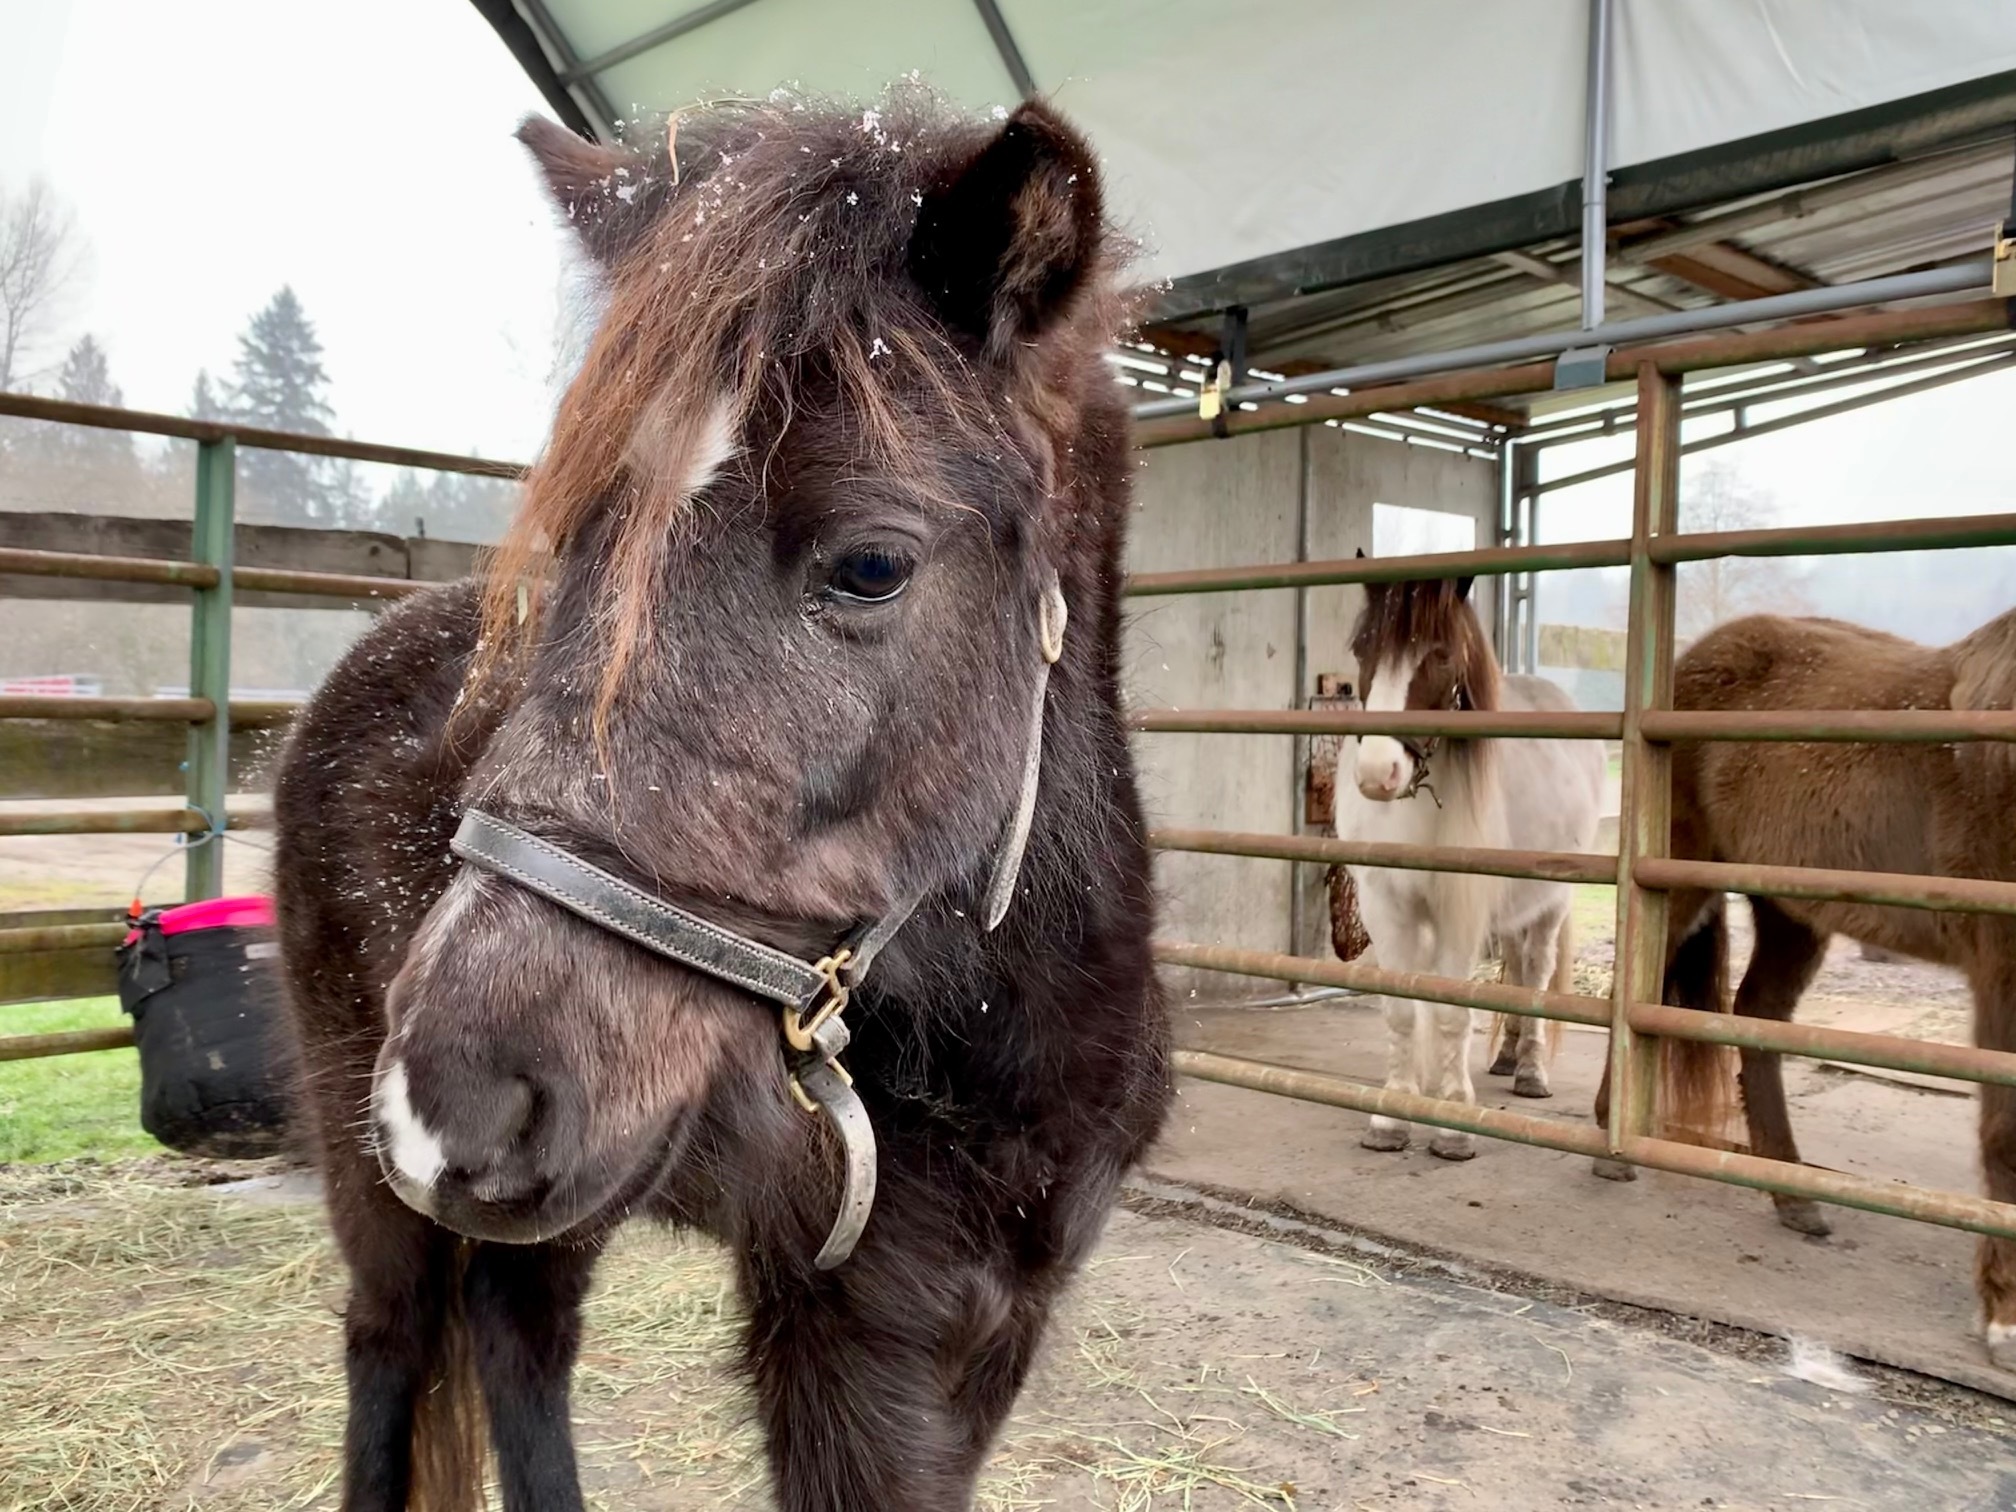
(200, 984)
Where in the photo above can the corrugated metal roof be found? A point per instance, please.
(1934, 210)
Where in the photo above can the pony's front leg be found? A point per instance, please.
(881, 1384)
(1403, 1074)
(1447, 1054)
(524, 1304)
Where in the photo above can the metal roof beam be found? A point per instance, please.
(658, 36)
(1005, 44)
(1568, 275)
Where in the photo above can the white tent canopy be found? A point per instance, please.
(1268, 148)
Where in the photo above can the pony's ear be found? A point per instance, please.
(608, 194)
(1005, 244)
(1463, 588)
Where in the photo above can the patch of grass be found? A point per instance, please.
(69, 1105)
(1595, 912)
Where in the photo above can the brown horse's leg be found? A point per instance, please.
(1686, 911)
(524, 1304)
(1994, 982)
(1782, 965)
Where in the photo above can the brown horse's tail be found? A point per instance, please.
(1697, 1081)
(448, 1422)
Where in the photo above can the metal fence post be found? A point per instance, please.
(1644, 826)
(209, 764)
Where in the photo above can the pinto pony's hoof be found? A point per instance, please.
(1453, 1145)
(1531, 1082)
(1385, 1135)
(1506, 1063)
(1613, 1170)
(2001, 1340)
(1805, 1217)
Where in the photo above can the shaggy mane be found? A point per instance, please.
(764, 269)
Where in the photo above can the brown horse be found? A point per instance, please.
(764, 666)
(1930, 809)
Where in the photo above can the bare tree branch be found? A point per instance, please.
(41, 260)
(1718, 497)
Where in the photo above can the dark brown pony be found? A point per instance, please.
(1930, 809)
(764, 641)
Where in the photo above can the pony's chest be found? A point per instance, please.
(1406, 821)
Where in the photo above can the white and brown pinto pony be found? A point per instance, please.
(1421, 646)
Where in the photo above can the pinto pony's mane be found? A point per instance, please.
(1403, 620)
(763, 258)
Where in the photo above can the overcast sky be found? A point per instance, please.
(216, 149)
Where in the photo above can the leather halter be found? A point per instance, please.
(811, 994)
(1421, 749)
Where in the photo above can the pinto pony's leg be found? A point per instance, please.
(1994, 982)
(1403, 1073)
(524, 1306)
(1527, 1045)
(1443, 1033)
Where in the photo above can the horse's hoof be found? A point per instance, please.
(1803, 1216)
(1613, 1170)
(1505, 1065)
(2002, 1345)
(1453, 1145)
(1531, 1083)
(1386, 1136)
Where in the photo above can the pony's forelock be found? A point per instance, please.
(773, 269)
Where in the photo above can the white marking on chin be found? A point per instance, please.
(1378, 753)
(415, 1150)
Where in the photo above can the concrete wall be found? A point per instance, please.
(1283, 496)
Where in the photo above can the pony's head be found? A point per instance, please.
(766, 632)
(1419, 646)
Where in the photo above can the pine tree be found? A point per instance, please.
(82, 461)
(203, 401)
(278, 383)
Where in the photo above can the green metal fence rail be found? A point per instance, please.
(59, 957)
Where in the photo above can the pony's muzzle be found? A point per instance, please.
(1383, 768)
(480, 1150)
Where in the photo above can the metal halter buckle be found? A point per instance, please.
(798, 1032)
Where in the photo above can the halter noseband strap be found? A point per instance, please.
(811, 994)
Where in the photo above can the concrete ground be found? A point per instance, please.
(1881, 1288)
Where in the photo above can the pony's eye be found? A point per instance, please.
(870, 575)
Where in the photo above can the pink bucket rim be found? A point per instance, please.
(251, 912)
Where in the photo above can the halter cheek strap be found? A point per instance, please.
(1051, 617)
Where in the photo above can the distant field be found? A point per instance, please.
(69, 1105)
